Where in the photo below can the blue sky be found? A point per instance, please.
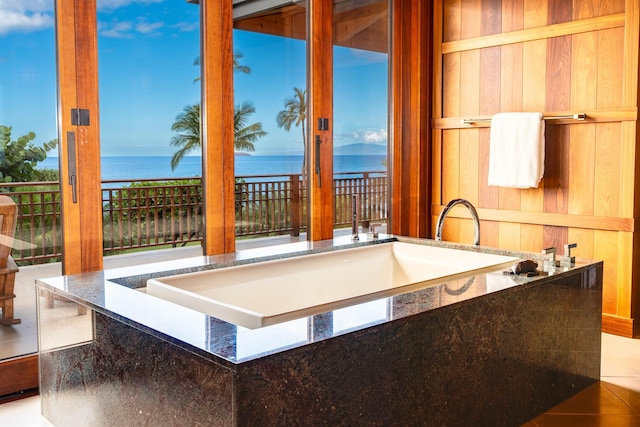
(146, 59)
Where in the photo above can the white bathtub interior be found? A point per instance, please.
(270, 292)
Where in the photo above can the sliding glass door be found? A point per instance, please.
(361, 112)
(28, 156)
(271, 125)
(150, 146)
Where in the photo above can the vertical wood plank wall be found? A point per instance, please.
(557, 57)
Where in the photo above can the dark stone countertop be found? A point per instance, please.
(119, 294)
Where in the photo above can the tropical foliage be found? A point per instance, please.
(19, 157)
(295, 114)
(187, 126)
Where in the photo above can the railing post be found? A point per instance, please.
(294, 181)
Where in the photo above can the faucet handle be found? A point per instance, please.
(550, 263)
(567, 260)
(568, 247)
(373, 226)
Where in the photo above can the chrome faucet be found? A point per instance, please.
(355, 214)
(474, 215)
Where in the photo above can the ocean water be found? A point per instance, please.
(131, 168)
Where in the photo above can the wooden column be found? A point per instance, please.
(77, 47)
(217, 126)
(320, 84)
(411, 112)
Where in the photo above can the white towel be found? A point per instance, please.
(516, 150)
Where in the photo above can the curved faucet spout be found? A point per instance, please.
(474, 215)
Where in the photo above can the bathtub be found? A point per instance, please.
(270, 292)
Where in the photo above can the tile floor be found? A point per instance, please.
(612, 402)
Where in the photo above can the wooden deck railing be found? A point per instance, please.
(168, 212)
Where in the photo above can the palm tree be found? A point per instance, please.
(245, 69)
(187, 125)
(295, 113)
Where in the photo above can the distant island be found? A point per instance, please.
(241, 154)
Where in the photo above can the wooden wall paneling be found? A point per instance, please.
(607, 170)
(466, 232)
(450, 165)
(534, 72)
(451, 178)
(631, 56)
(582, 159)
(488, 196)
(584, 9)
(217, 127)
(610, 59)
(510, 235)
(558, 87)
(511, 92)
(629, 158)
(559, 11)
(471, 23)
(468, 165)
(585, 240)
(606, 249)
(489, 233)
(531, 237)
(437, 80)
(625, 276)
(451, 19)
(584, 72)
(577, 55)
(469, 103)
(554, 236)
(530, 34)
(556, 169)
(437, 169)
(452, 84)
(535, 13)
(491, 16)
(512, 15)
(611, 6)
(490, 63)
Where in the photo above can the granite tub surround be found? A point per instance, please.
(487, 349)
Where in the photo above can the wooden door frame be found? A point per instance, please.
(320, 100)
(81, 196)
(410, 122)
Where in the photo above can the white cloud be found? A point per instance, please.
(34, 15)
(114, 4)
(146, 27)
(371, 136)
(25, 15)
(128, 29)
(117, 30)
(186, 26)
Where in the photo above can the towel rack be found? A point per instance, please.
(577, 116)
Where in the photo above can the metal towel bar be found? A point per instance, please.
(577, 116)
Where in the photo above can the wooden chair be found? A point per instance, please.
(8, 268)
